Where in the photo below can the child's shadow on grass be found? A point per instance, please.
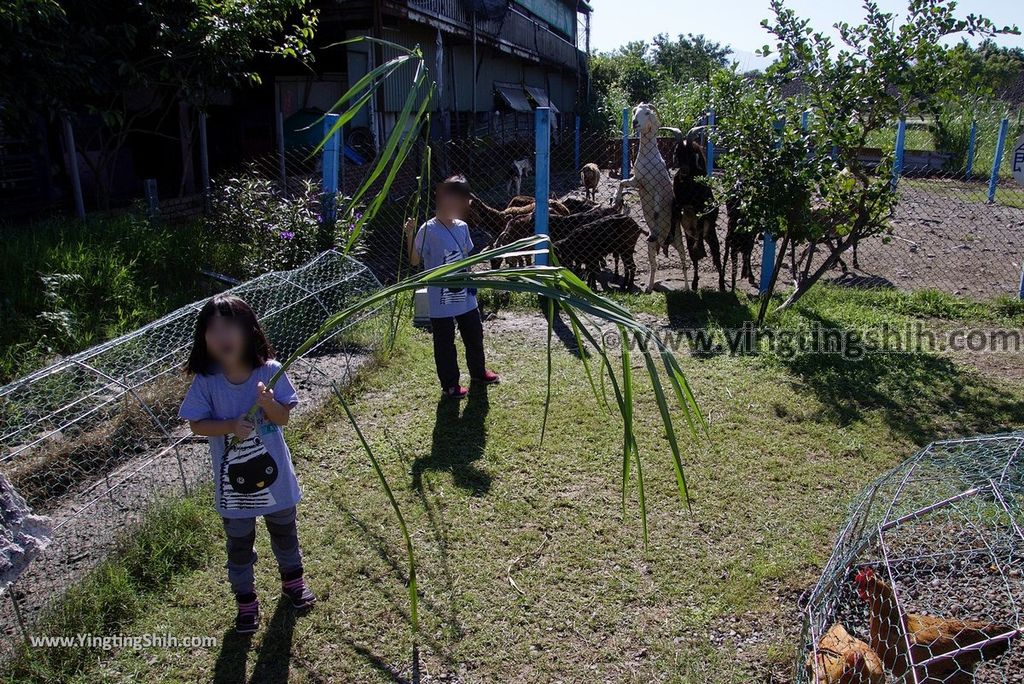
(458, 442)
(274, 660)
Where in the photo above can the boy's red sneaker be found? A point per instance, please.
(489, 378)
(456, 392)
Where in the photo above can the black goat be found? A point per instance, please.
(694, 209)
(739, 243)
(586, 247)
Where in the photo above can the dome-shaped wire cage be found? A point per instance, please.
(925, 583)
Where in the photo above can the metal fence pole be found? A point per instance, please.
(993, 181)
(279, 122)
(901, 141)
(711, 142)
(576, 146)
(74, 176)
(152, 196)
(17, 613)
(625, 142)
(971, 142)
(542, 137)
(331, 150)
(204, 156)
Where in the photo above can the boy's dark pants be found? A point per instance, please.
(445, 356)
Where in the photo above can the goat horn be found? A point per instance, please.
(694, 131)
(675, 131)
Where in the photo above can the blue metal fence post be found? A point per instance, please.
(576, 146)
(625, 142)
(767, 263)
(993, 181)
(971, 142)
(542, 164)
(768, 250)
(901, 141)
(711, 142)
(331, 149)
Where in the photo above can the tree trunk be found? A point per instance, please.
(807, 283)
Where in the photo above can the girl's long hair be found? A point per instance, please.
(257, 347)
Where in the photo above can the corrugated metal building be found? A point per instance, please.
(493, 60)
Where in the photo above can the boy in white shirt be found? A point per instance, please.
(445, 239)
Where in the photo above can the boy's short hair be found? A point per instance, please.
(454, 185)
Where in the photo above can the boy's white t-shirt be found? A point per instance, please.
(438, 244)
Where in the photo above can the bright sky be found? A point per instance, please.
(738, 22)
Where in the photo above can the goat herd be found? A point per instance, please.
(680, 212)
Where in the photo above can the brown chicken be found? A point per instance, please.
(844, 659)
(889, 631)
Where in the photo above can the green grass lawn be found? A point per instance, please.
(528, 571)
(67, 284)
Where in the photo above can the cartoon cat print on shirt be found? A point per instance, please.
(247, 472)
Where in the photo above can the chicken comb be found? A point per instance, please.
(863, 576)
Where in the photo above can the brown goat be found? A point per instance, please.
(590, 178)
(739, 243)
(483, 216)
(558, 226)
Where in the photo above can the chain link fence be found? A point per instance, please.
(94, 440)
(957, 226)
(924, 583)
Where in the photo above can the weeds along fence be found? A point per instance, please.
(940, 535)
(93, 441)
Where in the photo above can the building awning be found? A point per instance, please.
(540, 96)
(514, 96)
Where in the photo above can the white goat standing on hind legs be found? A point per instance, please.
(652, 180)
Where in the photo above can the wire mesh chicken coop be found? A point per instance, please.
(94, 440)
(925, 583)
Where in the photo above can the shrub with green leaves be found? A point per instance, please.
(880, 70)
(270, 229)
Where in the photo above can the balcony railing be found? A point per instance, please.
(516, 31)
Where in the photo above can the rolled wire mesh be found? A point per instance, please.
(924, 584)
(94, 440)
